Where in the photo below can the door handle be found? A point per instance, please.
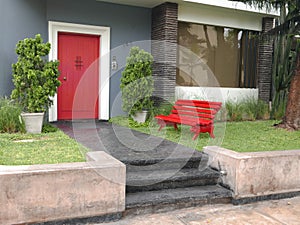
(65, 78)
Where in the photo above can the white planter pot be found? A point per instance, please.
(33, 122)
(140, 117)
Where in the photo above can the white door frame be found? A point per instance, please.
(104, 72)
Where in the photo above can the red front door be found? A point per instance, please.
(79, 75)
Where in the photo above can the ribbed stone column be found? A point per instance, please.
(164, 50)
(264, 62)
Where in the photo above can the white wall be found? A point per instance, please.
(236, 6)
(215, 93)
(220, 16)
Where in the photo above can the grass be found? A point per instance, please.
(45, 148)
(247, 136)
(259, 136)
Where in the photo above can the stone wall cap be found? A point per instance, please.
(246, 155)
(101, 160)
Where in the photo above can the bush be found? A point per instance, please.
(35, 79)
(248, 109)
(10, 120)
(163, 109)
(48, 128)
(234, 111)
(137, 82)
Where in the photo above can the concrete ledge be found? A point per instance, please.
(257, 174)
(40, 193)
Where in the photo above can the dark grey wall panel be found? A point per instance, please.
(164, 50)
(18, 19)
(264, 66)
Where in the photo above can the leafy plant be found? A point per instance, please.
(284, 62)
(35, 79)
(248, 109)
(137, 82)
(234, 111)
(48, 128)
(255, 109)
(164, 108)
(10, 120)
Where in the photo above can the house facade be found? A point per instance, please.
(199, 46)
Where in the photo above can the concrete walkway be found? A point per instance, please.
(281, 212)
(124, 144)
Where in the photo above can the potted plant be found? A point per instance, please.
(137, 84)
(35, 80)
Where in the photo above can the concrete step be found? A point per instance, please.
(175, 162)
(169, 179)
(170, 199)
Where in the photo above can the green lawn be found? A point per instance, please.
(245, 136)
(56, 147)
(46, 148)
(259, 136)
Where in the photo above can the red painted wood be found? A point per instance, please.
(194, 109)
(197, 114)
(79, 75)
(199, 103)
(192, 114)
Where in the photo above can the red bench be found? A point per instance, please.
(195, 113)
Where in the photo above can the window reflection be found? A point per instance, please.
(228, 54)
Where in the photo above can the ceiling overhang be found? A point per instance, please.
(140, 3)
(212, 3)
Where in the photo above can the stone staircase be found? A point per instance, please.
(168, 184)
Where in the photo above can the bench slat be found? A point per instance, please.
(195, 113)
(184, 120)
(194, 109)
(202, 104)
(186, 101)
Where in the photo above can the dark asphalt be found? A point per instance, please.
(129, 146)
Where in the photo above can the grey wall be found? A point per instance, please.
(25, 18)
(18, 19)
(128, 24)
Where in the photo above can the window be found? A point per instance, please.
(211, 56)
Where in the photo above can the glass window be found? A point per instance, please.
(211, 56)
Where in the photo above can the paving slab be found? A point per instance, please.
(274, 212)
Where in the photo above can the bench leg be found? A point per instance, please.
(195, 136)
(203, 129)
(175, 126)
(211, 132)
(161, 127)
(161, 124)
(196, 131)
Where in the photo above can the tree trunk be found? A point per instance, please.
(291, 120)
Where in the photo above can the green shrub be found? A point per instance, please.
(10, 120)
(164, 108)
(234, 110)
(48, 128)
(263, 111)
(136, 82)
(248, 109)
(35, 79)
(279, 111)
